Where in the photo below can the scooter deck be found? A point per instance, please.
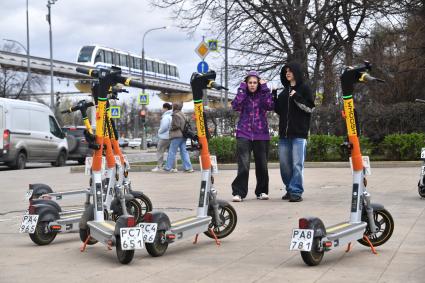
(345, 232)
(190, 226)
(101, 229)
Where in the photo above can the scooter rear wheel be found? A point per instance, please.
(313, 257)
(124, 256)
(42, 236)
(421, 190)
(159, 245)
(228, 219)
(385, 224)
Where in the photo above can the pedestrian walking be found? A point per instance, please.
(294, 106)
(253, 100)
(177, 140)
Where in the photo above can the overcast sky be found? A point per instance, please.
(117, 24)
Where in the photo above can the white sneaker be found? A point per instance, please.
(156, 169)
(174, 170)
(189, 170)
(237, 198)
(263, 196)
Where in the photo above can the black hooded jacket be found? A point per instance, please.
(294, 111)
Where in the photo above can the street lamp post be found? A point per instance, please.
(28, 64)
(28, 58)
(49, 20)
(143, 82)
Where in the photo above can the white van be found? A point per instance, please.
(30, 132)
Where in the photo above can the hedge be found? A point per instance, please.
(328, 148)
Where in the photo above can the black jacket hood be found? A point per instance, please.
(296, 70)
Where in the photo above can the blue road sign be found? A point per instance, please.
(144, 99)
(202, 67)
(213, 44)
(115, 112)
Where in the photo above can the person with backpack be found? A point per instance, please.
(164, 136)
(252, 100)
(294, 106)
(178, 141)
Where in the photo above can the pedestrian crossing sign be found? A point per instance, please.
(115, 112)
(144, 99)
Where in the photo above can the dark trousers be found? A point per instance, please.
(261, 153)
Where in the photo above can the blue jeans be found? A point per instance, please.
(291, 155)
(172, 151)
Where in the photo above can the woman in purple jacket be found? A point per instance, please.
(253, 100)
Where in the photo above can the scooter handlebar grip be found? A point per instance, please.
(87, 71)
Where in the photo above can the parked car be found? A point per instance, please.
(30, 133)
(78, 147)
(152, 142)
(135, 143)
(123, 142)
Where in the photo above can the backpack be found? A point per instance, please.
(188, 132)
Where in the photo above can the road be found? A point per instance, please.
(257, 251)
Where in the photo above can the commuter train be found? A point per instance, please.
(99, 56)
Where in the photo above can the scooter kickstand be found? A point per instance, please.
(196, 239)
(217, 241)
(348, 248)
(83, 248)
(372, 248)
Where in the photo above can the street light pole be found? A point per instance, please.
(28, 64)
(28, 59)
(143, 89)
(49, 20)
(226, 56)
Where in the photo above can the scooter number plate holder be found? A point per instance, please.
(423, 170)
(301, 240)
(28, 194)
(28, 223)
(149, 231)
(131, 238)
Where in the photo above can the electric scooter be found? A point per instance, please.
(421, 183)
(215, 218)
(122, 234)
(370, 223)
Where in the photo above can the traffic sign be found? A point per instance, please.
(115, 112)
(202, 67)
(144, 99)
(213, 45)
(202, 50)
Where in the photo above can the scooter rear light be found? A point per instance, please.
(130, 221)
(47, 197)
(171, 236)
(148, 217)
(327, 244)
(55, 227)
(6, 139)
(303, 223)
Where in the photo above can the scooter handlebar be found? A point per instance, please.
(419, 100)
(213, 84)
(368, 78)
(87, 71)
(77, 107)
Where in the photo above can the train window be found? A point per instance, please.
(155, 67)
(116, 59)
(108, 57)
(85, 54)
(149, 66)
(100, 56)
(161, 68)
(170, 71)
(124, 60)
(137, 63)
(177, 72)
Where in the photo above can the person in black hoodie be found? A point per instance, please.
(294, 106)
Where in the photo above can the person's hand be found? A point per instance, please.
(243, 85)
(292, 92)
(262, 81)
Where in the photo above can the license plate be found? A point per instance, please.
(302, 239)
(131, 238)
(28, 194)
(28, 224)
(423, 153)
(423, 170)
(149, 231)
(214, 166)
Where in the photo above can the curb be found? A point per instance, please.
(274, 165)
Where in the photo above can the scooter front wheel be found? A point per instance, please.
(313, 257)
(124, 256)
(385, 227)
(84, 233)
(42, 236)
(228, 219)
(159, 245)
(145, 203)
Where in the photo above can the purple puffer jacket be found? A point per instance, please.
(252, 123)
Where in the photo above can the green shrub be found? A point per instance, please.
(403, 146)
(224, 148)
